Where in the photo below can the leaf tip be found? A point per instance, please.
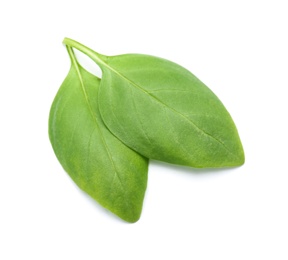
(240, 157)
(131, 217)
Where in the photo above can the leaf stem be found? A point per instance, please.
(97, 57)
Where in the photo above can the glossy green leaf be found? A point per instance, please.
(96, 160)
(164, 112)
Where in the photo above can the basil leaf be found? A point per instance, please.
(164, 112)
(96, 160)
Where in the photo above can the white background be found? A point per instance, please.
(238, 48)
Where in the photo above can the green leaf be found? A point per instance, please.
(164, 112)
(96, 160)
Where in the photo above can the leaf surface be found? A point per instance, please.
(164, 112)
(96, 160)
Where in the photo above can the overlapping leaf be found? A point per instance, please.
(164, 112)
(154, 106)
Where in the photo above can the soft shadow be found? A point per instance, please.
(190, 170)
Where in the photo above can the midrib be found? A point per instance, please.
(165, 105)
(91, 110)
(97, 58)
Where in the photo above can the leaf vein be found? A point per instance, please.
(138, 117)
(75, 63)
(172, 109)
